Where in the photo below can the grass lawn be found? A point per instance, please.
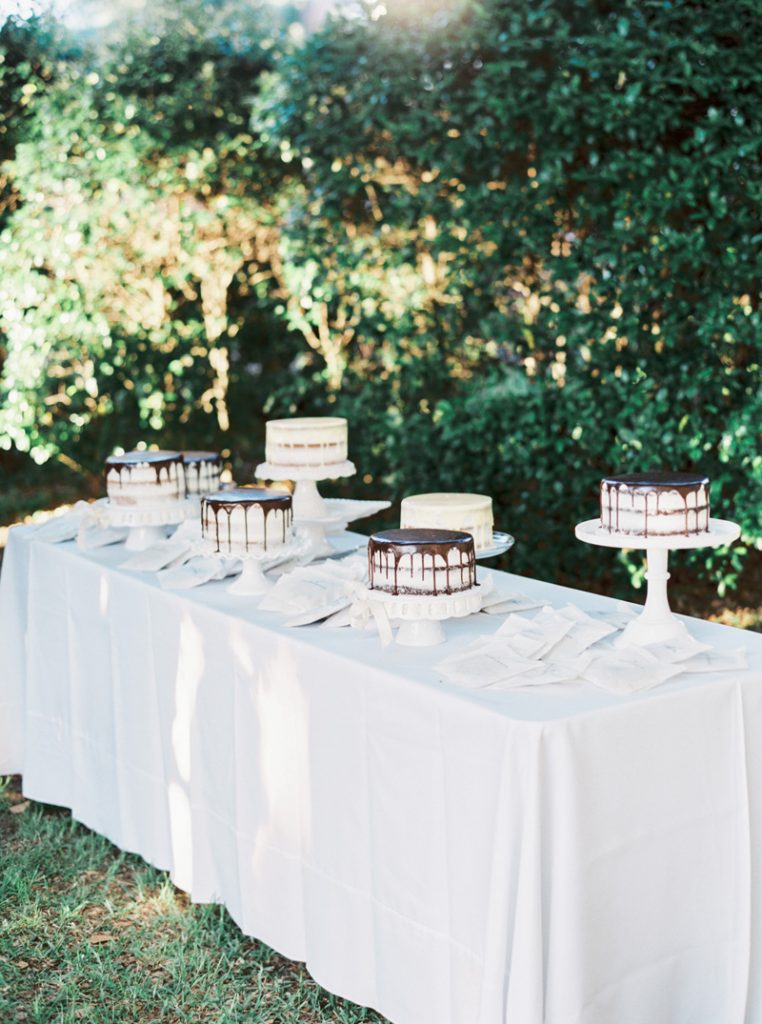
(91, 935)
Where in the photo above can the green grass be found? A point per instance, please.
(91, 934)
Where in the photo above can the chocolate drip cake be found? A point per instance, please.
(145, 478)
(202, 472)
(246, 519)
(426, 562)
(655, 504)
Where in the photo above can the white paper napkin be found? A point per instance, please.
(484, 664)
(628, 670)
(504, 603)
(62, 527)
(679, 648)
(158, 556)
(531, 638)
(198, 570)
(716, 661)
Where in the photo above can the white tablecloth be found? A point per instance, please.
(446, 856)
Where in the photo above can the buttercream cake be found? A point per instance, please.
(202, 472)
(655, 504)
(306, 442)
(246, 519)
(145, 478)
(422, 561)
(471, 513)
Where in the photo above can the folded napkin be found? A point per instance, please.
(585, 632)
(628, 670)
(313, 592)
(715, 661)
(159, 556)
(502, 603)
(532, 638)
(485, 663)
(198, 570)
(679, 648)
(62, 526)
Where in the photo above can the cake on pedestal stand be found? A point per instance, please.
(657, 622)
(147, 524)
(256, 561)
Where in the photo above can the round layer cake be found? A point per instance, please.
(307, 442)
(246, 519)
(202, 472)
(145, 478)
(426, 562)
(658, 504)
(471, 513)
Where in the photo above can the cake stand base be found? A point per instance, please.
(423, 633)
(252, 580)
(307, 501)
(656, 623)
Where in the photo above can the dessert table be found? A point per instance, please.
(556, 855)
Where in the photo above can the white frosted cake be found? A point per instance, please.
(423, 562)
(471, 513)
(246, 519)
(655, 504)
(145, 478)
(312, 441)
(202, 472)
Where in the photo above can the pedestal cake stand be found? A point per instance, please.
(420, 616)
(316, 515)
(657, 622)
(256, 561)
(147, 525)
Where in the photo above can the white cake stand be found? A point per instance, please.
(657, 622)
(255, 562)
(308, 504)
(147, 524)
(421, 616)
(501, 542)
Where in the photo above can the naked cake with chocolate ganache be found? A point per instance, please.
(658, 504)
(426, 562)
(145, 478)
(246, 519)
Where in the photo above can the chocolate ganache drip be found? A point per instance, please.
(658, 483)
(159, 461)
(219, 507)
(426, 550)
(193, 462)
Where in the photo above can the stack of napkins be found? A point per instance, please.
(559, 645)
(317, 592)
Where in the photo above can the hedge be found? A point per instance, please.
(518, 246)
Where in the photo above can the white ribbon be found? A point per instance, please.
(363, 609)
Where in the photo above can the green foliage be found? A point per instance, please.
(517, 245)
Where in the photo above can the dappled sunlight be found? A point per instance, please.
(284, 758)
(103, 595)
(190, 669)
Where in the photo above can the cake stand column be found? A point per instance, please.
(656, 622)
(420, 633)
(252, 580)
(307, 501)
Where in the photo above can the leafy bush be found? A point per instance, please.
(518, 250)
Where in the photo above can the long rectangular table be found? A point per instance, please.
(447, 856)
